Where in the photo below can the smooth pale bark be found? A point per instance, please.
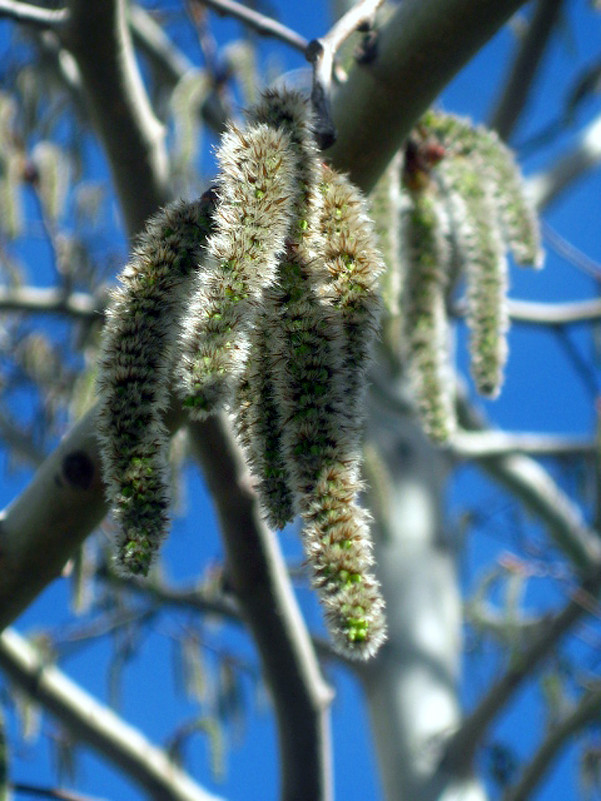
(412, 686)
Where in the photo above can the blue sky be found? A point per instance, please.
(542, 393)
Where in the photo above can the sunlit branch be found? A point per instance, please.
(547, 185)
(462, 745)
(321, 52)
(582, 311)
(524, 69)
(80, 305)
(32, 15)
(96, 724)
(564, 248)
(586, 711)
(257, 573)
(486, 444)
(258, 22)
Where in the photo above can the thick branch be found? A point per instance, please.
(260, 581)
(525, 67)
(581, 311)
(419, 50)
(99, 38)
(96, 724)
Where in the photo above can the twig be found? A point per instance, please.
(586, 711)
(33, 15)
(463, 743)
(570, 252)
(321, 52)
(258, 22)
(50, 792)
(525, 66)
(96, 724)
(486, 444)
(257, 572)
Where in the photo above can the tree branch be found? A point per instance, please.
(80, 305)
(321, 53)
(98, 36)
(95, 724)
(487, 444)
(152, 40)
(258, 22)
(585, 712)
(460, 749)
(418, 51)
(583, 311)
(258, 575)
(525, 66)
(32, 15)
(547, 185)
(535, 488)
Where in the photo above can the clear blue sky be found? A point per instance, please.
(542, 393)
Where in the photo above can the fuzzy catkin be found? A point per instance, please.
(353, 267)
(138, 350)
(480, 251)
(255, 197)
(425, 326)
(258, 423)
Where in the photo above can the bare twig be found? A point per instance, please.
(486, 444)
(32, 15)
(462, 745)
(152, 40)
(96, 724)
(50, 792)
(525, 66)
(321, 53)
(584, 712)
(258, 22)
(570, 252)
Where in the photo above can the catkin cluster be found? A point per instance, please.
(463, 207)
(261, 298)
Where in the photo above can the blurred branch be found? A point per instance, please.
(80, 305)
(564, 248)
(461, 747)
(585, 711)
(95, 724)
(257, 573)
(33, 15)
(486, 444)
(258, 22)
(525, 66)
(547, 185)
(50, 792)
(582, 311)
(535, 488)
(152, 40)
